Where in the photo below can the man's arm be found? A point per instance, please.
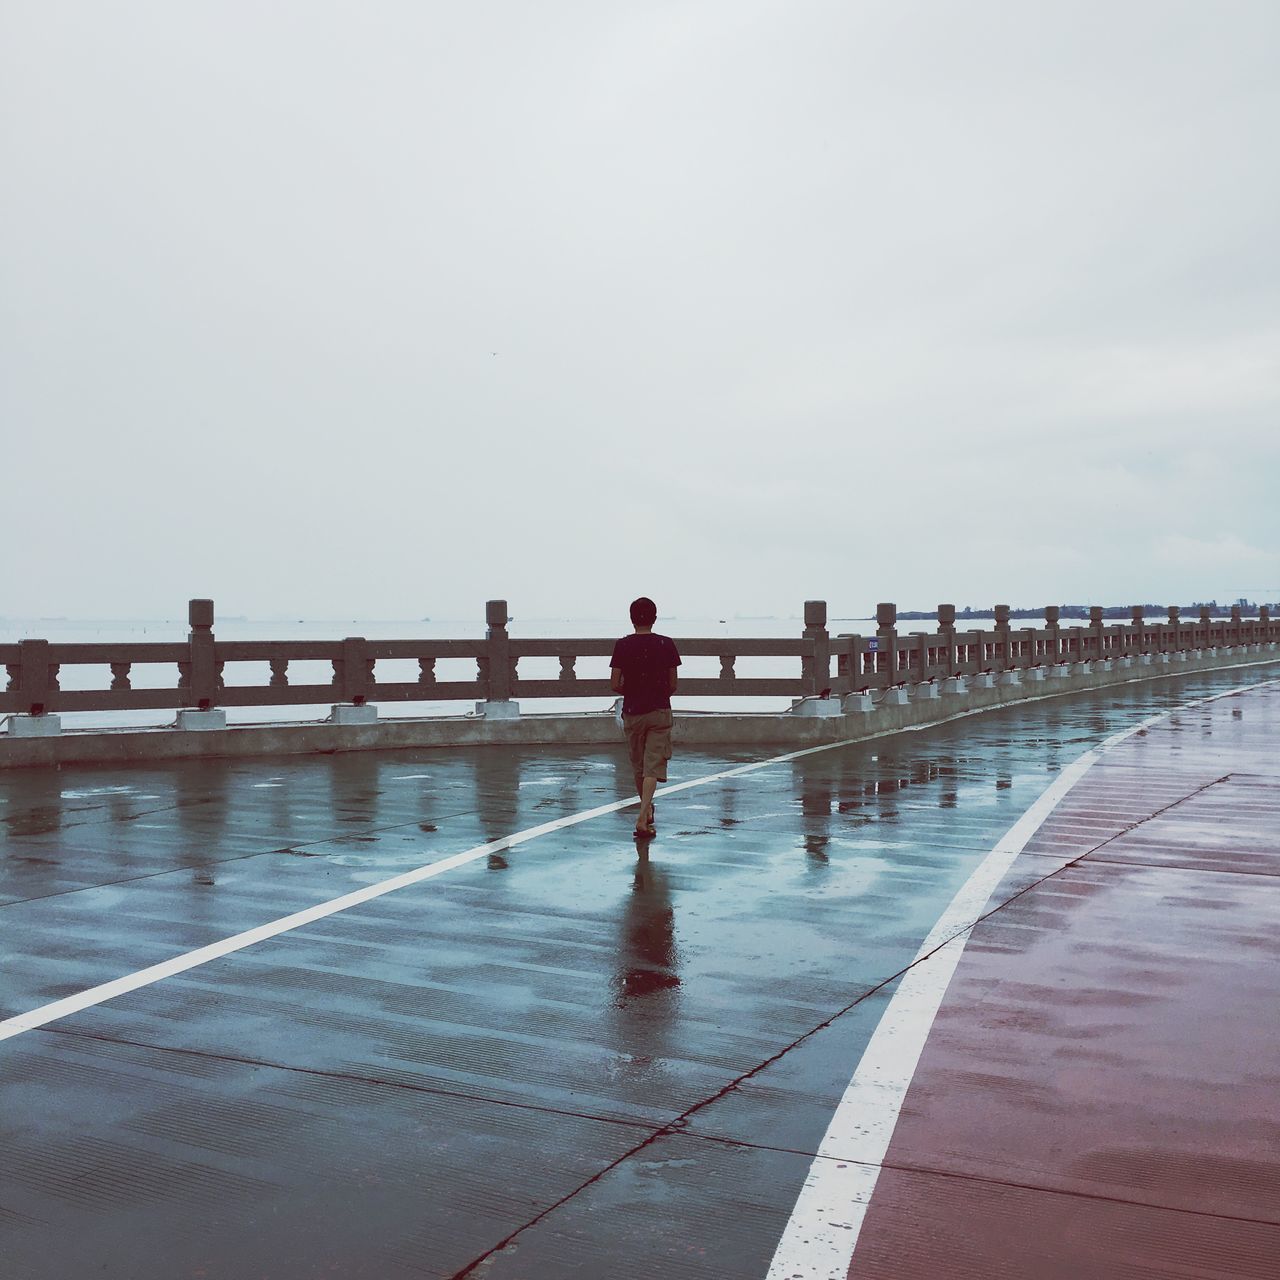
(615, 679)
(671, 680)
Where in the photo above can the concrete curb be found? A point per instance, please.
(127, 746)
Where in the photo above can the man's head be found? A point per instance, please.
(644, 613)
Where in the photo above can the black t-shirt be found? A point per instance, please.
(644, 661)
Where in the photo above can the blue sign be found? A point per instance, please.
(873, 646)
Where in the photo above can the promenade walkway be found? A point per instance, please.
(494, 1042)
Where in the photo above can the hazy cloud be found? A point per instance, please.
(385, 308)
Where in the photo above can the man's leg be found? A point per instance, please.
(647, 787)
(640, 792)
(657, 751)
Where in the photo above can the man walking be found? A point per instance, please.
(643, 670)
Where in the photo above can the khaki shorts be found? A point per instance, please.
(649, 742)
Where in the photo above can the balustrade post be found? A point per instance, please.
(353, 681)
(37, 688)
(1173, 626)
(35, 685)
(1136, 624)
(201, 673)
(498, 676)
(947, 631)
(201, 670)
(1236, 628)
(887, 640)
(1004, 639)
(815, 665)
(1052, 613)
(355, 673)
(1264, 623)
(1205, 623)
(1098, 628)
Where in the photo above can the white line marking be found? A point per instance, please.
(821, 1235)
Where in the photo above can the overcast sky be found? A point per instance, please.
(383, 308)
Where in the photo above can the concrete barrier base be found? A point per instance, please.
(817, 708)
(24, 726)
(193, 721)
(349, 713)
(498, 710)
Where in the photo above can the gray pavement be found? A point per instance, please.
(560, 1060)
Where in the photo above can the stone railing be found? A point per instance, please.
(829, 669)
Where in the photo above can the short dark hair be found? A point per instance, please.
(644, 613)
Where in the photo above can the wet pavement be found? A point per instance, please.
(561, 1060)
(1100, 1094)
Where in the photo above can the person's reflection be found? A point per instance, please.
(496, 778)
(31, 862)
(647, 957)
(948, 773)
(354, 789)
(644, 986)
(817, 796)
(200, 802)
(35, 804)
(729, 796)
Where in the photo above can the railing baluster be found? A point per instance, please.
(279, 673)
(120, 675)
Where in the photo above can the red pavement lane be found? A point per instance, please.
(1100, 1094)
